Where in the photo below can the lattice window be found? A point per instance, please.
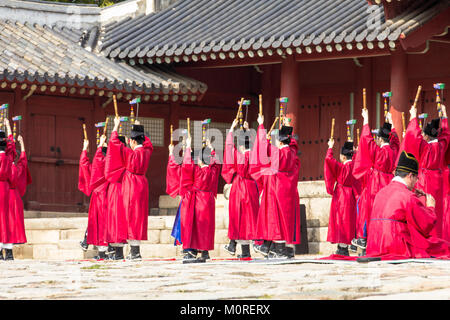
(154, 129)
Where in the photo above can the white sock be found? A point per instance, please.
(117, 244)
(279, 241)
(241, 242)
(290, 246)
(7, 246)
(102, 248)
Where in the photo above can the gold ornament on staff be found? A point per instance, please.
(357, 135)
(240, 108)
(106, 126)
(189, 127)
(171, 134)
(14, 131)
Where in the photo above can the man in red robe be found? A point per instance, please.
(18, 181)
(135, 189)
(5, 172)
(401, 224)
(116, 224)
(374, 162)
(429, 147)
(199, 183)
(340, 183)
(277, 166)
(98, 187)
(84, 178)
(244, 195)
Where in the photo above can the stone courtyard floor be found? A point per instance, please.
(222, 279)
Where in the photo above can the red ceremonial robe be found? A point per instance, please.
(116, 226)
(279, 211)
(341, 184)
(5, 173)
(84, 173)
(243, 202)
(431, 158)
(400, 226)
(375, 165)
(135, 184)
(198, 189)
(98, 186)
(19, 179)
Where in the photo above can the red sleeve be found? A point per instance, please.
(365, 156)
(98, 169)
(84, 173)
(331, 171)
(23, 176)
(11, 148)
(229, 159)
(444, 136)
(187, 173)
(173, 177)
(114, 165)
(259, 157)
(215, 167)
(421, 221)
(394, 142)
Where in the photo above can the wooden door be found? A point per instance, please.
(54, 147)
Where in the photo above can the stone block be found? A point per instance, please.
(56, 223)
(165, 237)
(72, 234)
(66, 254)
(155, 222)
(168, 222)
(69, 245)
(312, 189)
(163, 211)
(153, 236)
(221, 236)
(317, 234)
(23, 251)
(319, 208)
(42, 236)
(44, 251)
(167, 202)
(321, 248)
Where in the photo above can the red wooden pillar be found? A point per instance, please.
(290, 87)
(399, 88)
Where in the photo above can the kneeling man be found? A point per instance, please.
(401, 223)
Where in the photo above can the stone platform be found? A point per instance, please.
(56, 236)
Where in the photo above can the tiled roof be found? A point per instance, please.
(41, 54)
(194, 30)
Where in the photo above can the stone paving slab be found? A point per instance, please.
(167, 279)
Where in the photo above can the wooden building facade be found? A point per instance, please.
(320, 54)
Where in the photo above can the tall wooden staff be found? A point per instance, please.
(332, 128)
(106, 126)
(271, 128)
(171, 134)
(260, 105)
(357, 135)
(417, 97)
(240, 108)
(350, 125)
(188, 127)
(115, 105)
(364, 99)
(85, 133)
(403, 122)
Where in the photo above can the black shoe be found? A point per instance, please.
(1, 254)
(245, 252)
(343, 251)
(101, 256)
(134, 253)
(360, 243)
(205, 255)
(118, 255)
(278, 252)
(290, 252)
(189, 255)
(264, 248)
(353, 248)
(9, 254)
(110, 250)
(363, 253)
(231, 247)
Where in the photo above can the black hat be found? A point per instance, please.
(385, 130)
(104, 150)
(137, 131)
(408, 163)
(206, 155)
(2, 139)
(2, 134)
(285, 134)
(347, 149)
(122, 139)
(432, 128)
